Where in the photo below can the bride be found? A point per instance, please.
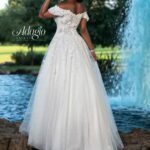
(69, 108)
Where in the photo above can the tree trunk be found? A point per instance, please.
(31, 51)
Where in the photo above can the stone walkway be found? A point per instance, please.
(10, 139)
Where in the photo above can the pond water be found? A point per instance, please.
(15, 91)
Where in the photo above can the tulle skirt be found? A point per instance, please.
(69, 108)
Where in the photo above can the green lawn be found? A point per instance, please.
(7, 50)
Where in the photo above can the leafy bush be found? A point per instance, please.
(29, 58)
(110, 70)
(109, 64)
(18, 57)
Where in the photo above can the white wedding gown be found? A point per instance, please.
(68, 108)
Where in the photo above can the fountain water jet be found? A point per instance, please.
(135, 84)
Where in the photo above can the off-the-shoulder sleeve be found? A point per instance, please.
(85, 15)
(57, 11)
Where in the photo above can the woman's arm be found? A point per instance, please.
(86, 36)
(44, 11)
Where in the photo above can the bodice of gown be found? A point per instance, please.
(66, 20)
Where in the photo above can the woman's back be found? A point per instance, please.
(68, 16)
(74, 7)
(71, 111)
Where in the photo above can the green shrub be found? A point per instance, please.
(38, 58)
(29, 58)
(110, 70)
(18, 57)
(109, 65)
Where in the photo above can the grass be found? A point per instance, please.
(105, 52)
(7, 50)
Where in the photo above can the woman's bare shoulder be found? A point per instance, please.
(65, 5)
(81, 7)
(78, 8)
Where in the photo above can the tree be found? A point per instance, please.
(105, 19)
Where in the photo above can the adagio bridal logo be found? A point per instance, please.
(27, 33)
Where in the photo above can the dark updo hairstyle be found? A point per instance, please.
(79, 1)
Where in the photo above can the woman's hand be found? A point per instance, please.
(93, 54)
(44, 14)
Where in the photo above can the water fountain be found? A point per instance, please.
(135, 85)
